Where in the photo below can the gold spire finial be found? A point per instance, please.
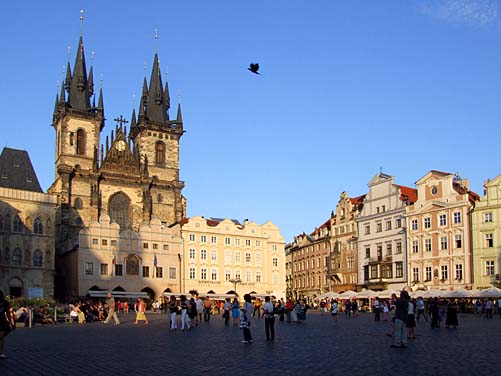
(156, 40)
(101, 81)
(179, 95)
(133, 101)
(81, 21)
(145, 68)
(68, 52)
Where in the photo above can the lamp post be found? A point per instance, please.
(235, 281)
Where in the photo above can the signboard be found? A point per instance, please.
(35, 292)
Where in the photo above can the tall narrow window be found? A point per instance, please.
(37, 226)
(159, 152)
(80, 142)
(37, 258)
(119, 210)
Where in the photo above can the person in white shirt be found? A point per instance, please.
(269, 319)
(247, 309)
(334, 309)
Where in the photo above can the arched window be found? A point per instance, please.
(29, 224)
(17, 224)
(37, 226)
(17, 257)
(6, 225)
(132, 265)
(78, 203)
(1, 223)
(37, 258)
(119, 210)
(80, 142)
(159, 152)
(48, 226)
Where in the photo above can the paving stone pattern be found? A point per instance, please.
(352, 346)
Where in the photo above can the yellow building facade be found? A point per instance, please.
(223, 256)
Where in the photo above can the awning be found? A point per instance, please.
(117, 294)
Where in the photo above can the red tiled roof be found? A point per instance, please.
(472, 196)
(407, 193)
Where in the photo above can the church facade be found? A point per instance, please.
(129, 179)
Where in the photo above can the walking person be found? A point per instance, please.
(257, 308)
(6, 322)
(173, 309)
(401, 315)
(126, 307)
(185, 319)
(141, 312)
(269, 319)
(111, 310)
(247, 308)
(434, 311)
(227, 309)
(289, 306)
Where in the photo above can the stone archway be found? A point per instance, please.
(150, 293)
(16, 287)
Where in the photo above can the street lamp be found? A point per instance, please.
(235, 281)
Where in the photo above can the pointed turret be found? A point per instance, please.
(156, 109)
(166, 95)
(133, 122)
(79, 98)
(62, 96)
(67, 82)
(179, 117)
(90, 83)
(144, 98)
(100, 104)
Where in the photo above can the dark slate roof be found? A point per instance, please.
(17, 172)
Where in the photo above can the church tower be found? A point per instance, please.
(157, 139)
(133, 177)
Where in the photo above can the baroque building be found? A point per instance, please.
(133, 178)
(223, 256)
(344, 243)
(27, 217)
(382, 255)
(310, 259)
(486, 233)
(439, 233)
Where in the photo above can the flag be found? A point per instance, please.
(155, 260)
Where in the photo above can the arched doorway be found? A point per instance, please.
(231, 292)
(150, 293)
(119, 288)
(120, 211)
(94, 288)
(16, 288)
(210, 292)
(167, 290)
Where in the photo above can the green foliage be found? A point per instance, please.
(30, 303)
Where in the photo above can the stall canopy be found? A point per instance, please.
(118, 294)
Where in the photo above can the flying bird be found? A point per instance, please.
(254, 67)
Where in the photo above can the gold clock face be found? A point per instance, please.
(120, 145)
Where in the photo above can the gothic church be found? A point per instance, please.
(131, 179)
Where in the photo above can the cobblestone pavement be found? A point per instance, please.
(352, 346)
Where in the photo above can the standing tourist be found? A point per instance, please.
(269, 319)
(420, 309)
(401, 314)
(386, 310)
(411, 321)
(488, 308)
(227, 309)
(235, 311)
(185, 319)
(347, 307)
(289, 306)
(6, 322)
(111, 310)
(126, 307)
(173, 309)
(141, 312)
(334, 309)
(247, 308)
(257, 308)
(499, 307)
(207, 309)
(451, 319)
(200, 309)
(377, 312)
(435, 313)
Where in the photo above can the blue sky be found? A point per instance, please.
(346, 88)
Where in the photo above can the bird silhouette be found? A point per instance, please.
(254, 67)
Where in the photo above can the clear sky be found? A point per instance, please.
(346, 88)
